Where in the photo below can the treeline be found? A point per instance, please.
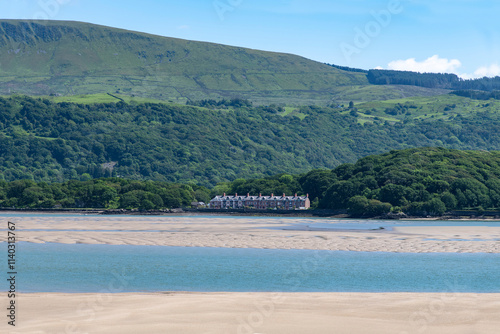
(425, 181)
(347, 69)
(210, 103)
(431, 80)
(477, 95)
(108, 193)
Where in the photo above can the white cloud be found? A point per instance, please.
(487, 71)
(433, 64)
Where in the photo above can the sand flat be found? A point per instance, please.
(269, 313)
(249, 232)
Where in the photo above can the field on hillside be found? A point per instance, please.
(439, 108)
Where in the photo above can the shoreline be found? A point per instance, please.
(244, 313)
(333, 214)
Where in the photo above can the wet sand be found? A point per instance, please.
(251, 232)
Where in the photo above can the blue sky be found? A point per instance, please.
(455, 36)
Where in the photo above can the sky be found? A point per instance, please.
(443, 36)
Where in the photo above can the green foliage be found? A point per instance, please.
(213, 104)
(46, 141)
(99, 193)
(435, 80)
(357, 206)
(53, 142)
(427, 181)
(429, 80)
(278, 184)
(316, 182)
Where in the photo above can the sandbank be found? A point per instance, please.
(250, 232)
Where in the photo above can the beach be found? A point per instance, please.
(245, 312)
(269, 313)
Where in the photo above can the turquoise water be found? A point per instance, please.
(366, 224)
(108, 268)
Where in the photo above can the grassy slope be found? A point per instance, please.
(443, 107)
(75, 58)
(72, 58)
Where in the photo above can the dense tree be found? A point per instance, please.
(55, 142)
(466, 88)
(100, 193)
(428, 181)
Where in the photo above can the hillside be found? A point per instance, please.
(57, 141)
(69, 58)
(78, 58)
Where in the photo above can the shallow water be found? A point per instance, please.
(123, 268)
(281, 223)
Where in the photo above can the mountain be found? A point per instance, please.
(75, 58)
(68, 58)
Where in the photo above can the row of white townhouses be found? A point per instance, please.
(261, 202)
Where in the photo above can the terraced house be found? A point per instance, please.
(261, 202)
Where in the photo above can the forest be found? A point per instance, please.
(431, 80)
(108, 193)
(52, 142)
(417, 182)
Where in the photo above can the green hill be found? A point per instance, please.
(417, 181)
(70, 58)
(57, 141)
(79, 58)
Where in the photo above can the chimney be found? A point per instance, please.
(224, 194)
(307, 196)
(260, 194)
(284, 195)
(248, 194)
(236, 195)
(272, 194)
(295, 194)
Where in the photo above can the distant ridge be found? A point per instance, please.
(68, 58)
(63, 57)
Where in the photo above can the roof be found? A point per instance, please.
(258, 198)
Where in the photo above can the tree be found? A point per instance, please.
(357, 206)
(434, 207)
(394, 194)
(449, 200)
(377, 208)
